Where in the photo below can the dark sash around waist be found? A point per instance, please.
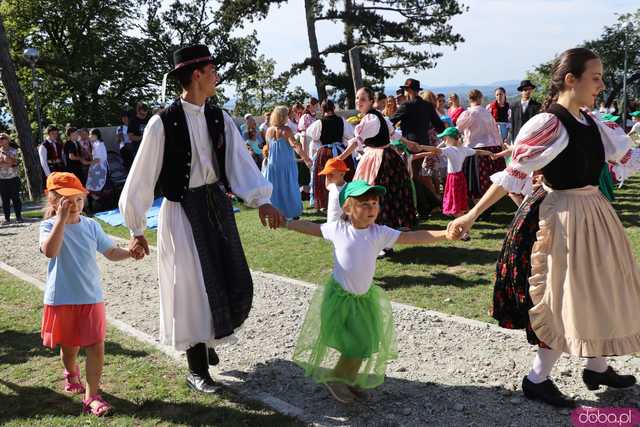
(225, 270)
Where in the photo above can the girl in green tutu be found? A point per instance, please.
(348, 335)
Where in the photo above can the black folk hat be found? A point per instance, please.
(411, 84)
(525, 84)
(190, 55)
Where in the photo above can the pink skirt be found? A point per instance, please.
(455, 194)
(78, 325)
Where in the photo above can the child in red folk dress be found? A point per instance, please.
(74, 314)
(456, 197)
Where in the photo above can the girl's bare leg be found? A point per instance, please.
(94, 365)
(69, 357)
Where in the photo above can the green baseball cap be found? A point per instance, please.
(450, 131)
(358, 188)
(609, 118)
(635, 114)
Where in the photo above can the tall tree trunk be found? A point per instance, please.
(19, 111)
(316, 63)
(617, 88)
(349, 42)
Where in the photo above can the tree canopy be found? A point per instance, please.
(611, 49)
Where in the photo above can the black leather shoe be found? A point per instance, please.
(213, 357)
(593, 380)
(546, 392)
(202, 384)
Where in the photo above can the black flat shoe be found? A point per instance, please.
(202, 384)
(213, 357)
(546, 392)
(593, 380)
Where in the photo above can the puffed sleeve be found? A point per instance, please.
(315, 130)
(245, 179)
(137, 194)
(368, 127)
(618, 149)
(539, 141)
(394, 134)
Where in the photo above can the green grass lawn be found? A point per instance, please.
(145, 387)
(451, 277)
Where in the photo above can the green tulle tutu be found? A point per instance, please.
(356, 327)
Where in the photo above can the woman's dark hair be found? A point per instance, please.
(380, 96)
(97, 133)
(185, 75)
(369, 92)
(572, 61)
(69, 131)
(501, 89)
(327, 106)
(475, 95)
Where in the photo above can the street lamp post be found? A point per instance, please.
(31, 55)
(624, 76)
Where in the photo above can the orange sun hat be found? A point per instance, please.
(65, 184)
(334, 165)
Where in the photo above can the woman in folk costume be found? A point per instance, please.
(196, 153)
(380, 164)
(501, 112)
(330, 133)
(480, 131)
(550, 276)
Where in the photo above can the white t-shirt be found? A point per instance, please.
(334, 211)
(355, 252)
(455, 157)
(635, 128)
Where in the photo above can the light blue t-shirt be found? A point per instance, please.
(73, 276)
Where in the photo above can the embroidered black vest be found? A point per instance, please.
(382, 138)
(581, 162)
(176, 163)
(332, 130)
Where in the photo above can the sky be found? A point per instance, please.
(503, 38)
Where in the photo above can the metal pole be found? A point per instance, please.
(34, 83)
(624, 80)
(356, 70)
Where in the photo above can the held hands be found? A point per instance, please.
(138, 247)
(459, 226)
(270, 216)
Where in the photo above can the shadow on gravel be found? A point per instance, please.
(18, 347)
(437, 279)
(405, 402)
(445, 255)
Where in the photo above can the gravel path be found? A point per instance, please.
(451, 371)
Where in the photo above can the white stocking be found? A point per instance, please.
(597, 364)
(543, 364)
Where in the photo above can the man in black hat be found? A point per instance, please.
(196, 154)
(522, 111)
(416, 117)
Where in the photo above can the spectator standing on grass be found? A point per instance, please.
(74, 311)
(99, 169)
(72, 152)
(135, 130)
(524, 110)
(51, 152)
(86, 155)
(122, 132)
(9, 180)
(455, 109)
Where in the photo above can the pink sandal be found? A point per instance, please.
(73, 387)
(99, 410)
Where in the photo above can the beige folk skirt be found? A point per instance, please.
(585, 283)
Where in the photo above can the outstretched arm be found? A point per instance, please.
(118, 254)
(422, 237)
(304, 227)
